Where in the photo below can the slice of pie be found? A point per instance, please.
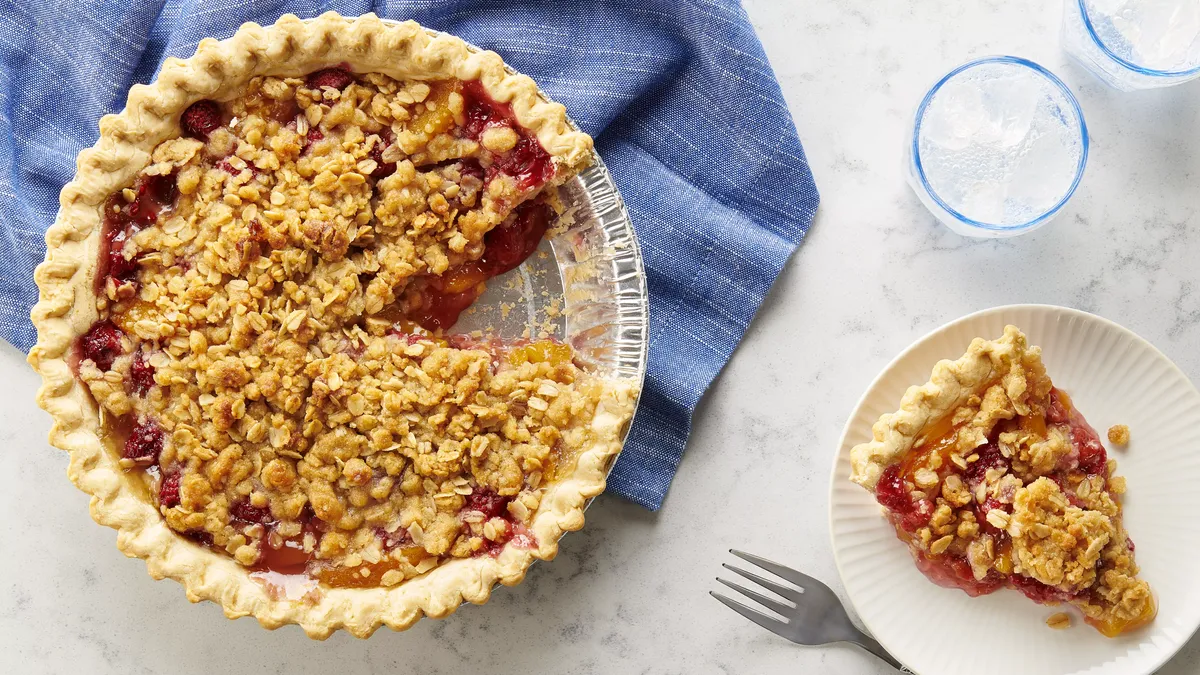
(995, 480)
(245, 315)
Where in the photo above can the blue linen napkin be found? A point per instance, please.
(678, 94)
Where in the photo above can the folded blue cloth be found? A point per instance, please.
(678, 94)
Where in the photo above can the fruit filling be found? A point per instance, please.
(435, 303)
(257, 357)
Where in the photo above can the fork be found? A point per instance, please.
(814, 615)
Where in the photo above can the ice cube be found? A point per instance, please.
(1047, 165)
(953, 117)
(1180, 33)
(1157, 34)
(1012, 102)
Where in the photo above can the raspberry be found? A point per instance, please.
(493, 547)
(487, 502)
(1093, 458)
(528, 162)
(990, 457)
(201, 119)
(154, 193)
(101, 344)
(892, 493)
(314, 134)
(227, 167)
(144, 442)
(516, 534)
(141, 373)
(471, 167)
(951, 571)
(337, 78)
(479, 111)
(509, 244)
(119, 267)
(168, 492)
(247, 512)
(122, 219)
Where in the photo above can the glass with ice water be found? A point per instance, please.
(1134, 44)
(998, 147)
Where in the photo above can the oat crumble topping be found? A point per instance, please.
(1118, 434)
(258, 360)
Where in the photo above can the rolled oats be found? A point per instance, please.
(1059, 621)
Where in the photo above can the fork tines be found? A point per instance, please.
(783, 609)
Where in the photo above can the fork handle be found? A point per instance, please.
(872, 645)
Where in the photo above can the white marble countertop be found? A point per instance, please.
(630, 592)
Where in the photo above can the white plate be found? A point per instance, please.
(1115, 377)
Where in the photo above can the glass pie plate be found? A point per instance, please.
(585, 286)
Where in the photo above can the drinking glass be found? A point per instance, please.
(997, 148)
(1134, 44)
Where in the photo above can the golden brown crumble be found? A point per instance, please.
(1054, 542)
(285, 410)
(1118, 434)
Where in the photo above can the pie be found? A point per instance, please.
(245, 327)
(994, 480)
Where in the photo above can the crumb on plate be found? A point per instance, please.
(1059, 621)
(1118, 434)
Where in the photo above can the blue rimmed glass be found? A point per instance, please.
(1063, 110)
(1091, 36)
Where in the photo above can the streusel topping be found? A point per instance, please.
(1118, 434)
(1054, 542)
(255, 359)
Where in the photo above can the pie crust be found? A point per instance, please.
(67, 308)
(948, 388)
